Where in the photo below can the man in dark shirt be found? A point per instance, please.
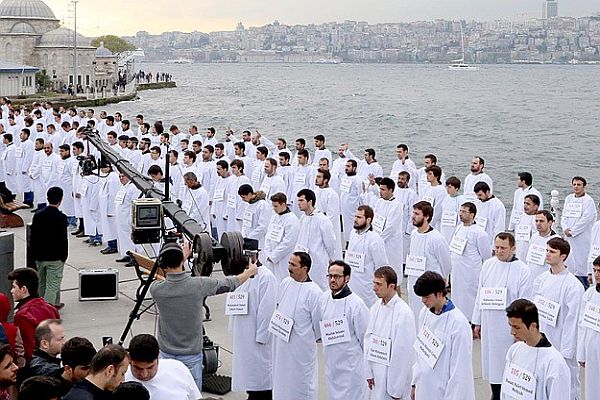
(49, 245)
(107, 371)
(76, 356)
(49, 340)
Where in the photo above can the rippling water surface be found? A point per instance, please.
(542, 119)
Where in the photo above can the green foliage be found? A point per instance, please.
(42, 80)
(113, 43)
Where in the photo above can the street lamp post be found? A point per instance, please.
(74, 2)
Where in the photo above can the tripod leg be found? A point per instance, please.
(206, 310)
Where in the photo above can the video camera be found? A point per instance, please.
(88, 164)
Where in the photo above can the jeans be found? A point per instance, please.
(72, 221)
(193, 362)
(51, 274)
(97, 238)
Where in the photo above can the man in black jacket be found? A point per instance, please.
(49, 340)
(49, 245)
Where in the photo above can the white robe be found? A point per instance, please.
(35, 173)
(450, 216)
(370, 247)
(581, 229)
(344, 363)
(394, 321)
(365, 169)
(258, 174)
(322, 153)
(9, 166)
(495, 331)
(466, 266)
(434, 248)
(328, 202)
(219, 204)
(278, 253)
(195, 203)
(434, 195)
(251, 364)
(470, 182)
(235, 205)
(409, 166)
(390, 213)
(491, 215)
(295, 366)
(594, 251)
(350, 199)
(25, 150)
(89, 205)
(565, 289)
(588, 346)
(64, 179)
(256, 221)
(538, 244)
(548, 367)
(452, 376)
(271, 185)
(109, 187)
(303, 176)
(523, 232)
(517, 207)
(128, 193)
(408, 198)
(317, 236)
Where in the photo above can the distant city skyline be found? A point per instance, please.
(96, 18)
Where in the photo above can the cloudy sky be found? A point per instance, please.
(155, 16)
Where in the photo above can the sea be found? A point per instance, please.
(544, 119)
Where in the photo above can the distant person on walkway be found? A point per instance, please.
(50, 246)
(30, 308)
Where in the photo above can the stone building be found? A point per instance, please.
(30, 34)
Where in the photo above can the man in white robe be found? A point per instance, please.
(558, 296)
(526, 226)
(271, 183)
(491, 213)
(282, 234)
(370, 166)
(256, 217)
(251, 369)
(234, 212)
(321, 151)
(286, 171)
(388, 222)
(303, 176)
(123, 201)
(525, 187)
(469, 248)
(408, 198)
(403, 163)
(35, 173)
(435, 194)
(444, 345)
(451, 208)
(344, 320)
(588, 342)
(328, 201)
(295, 329)
(109, 186)
(534, 368)
(350, 196)
(389, 353)
(594, 248)
(577, 219)
(365, 253)
(503, 279)
(476, 175)
(195, 201)
(316, 237)
(428, 252)
(24, 156)
(9, 162)
(219, 200)
(536, 255)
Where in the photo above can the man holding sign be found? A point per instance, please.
(294, 327)
(444, 345)
(503, 279)
(534, 368)
(557, 296)
(389, 353)
(343, 325)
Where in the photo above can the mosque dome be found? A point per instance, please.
(62, 37)
(22, 27)
(33, 9)
(103, 51)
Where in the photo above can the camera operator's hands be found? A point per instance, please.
(249, 272)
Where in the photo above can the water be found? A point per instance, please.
(541, 119)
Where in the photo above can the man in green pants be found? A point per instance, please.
(49, 245)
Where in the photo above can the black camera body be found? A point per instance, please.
(87, 164)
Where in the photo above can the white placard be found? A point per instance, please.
(334, 331)
(356, 260)
(120, 196)
(219, 194)
(415, 265)
(573, 210)
(345, 185)
(518, 383)
(492, 298)
(300, 178)
(516, 218)
(449, 218)
(379, 223)
(523, 233)
(281, 326)
(547, 309)
(247, 223)
(594, 253)
(19, 152)
(265, 188)
(302, 248)
(236, 303)
(591, 316)
(275, 232)
(84, 189)
(47, 164)
(428, 199)
(537, 255)
(379, 350)
(458, 244)
(256, 175)
(60, 167)
(231, 201)
(428, 346)
(482, 222)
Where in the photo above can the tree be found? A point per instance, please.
(113, 43)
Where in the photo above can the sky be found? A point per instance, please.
(126, 17)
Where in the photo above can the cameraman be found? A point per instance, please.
(179, 299)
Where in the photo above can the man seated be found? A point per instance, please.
(164, 379)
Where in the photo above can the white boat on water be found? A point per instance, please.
(459, 65)
(326, 61)
(180, 61)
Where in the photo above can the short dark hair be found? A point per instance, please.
(245, 190)
(579, 178)
(343, 264)
(77, 351)
(170, 256)
(285, 155)
(370, 152)
(40, 388)
(27, 277)
(547, 214)
(263, 150)
(279, 197)
(430, 283)
(507, 236)
(238, 163)
(425, 208)
(301, 141)
(453, 181)
(130, 391)
(155, 170)
(156, 149)
(240, 145)
(470, 206)
(431, 157)
(320, 138)
(526, 177)
(305, 260)
(481, 187)
(367, 211)
(326, 174)
(402, 146)
(111, 354)
(271, 161)
(534, 198)
(435, 170)
(303, 153)
(309, 195)
(143, 348)
(560, 244)
(525, 310)
(54, 195)
(388, 183)
(223, 164)
(386, 272)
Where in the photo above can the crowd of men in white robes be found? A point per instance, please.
(307, 210)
